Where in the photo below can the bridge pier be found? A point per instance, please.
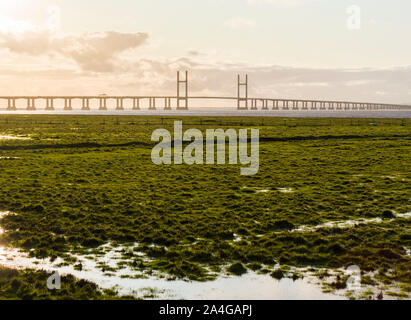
(265, 104)
(136, 104)
(295, 105)
(103, 104)
(11, 104)
(30, 104)
(304, 106)
(152, 103)
(49, 104)
(85, 104)
(167, 103)
(119, 104)
(253, 104)
(67, 104)
(313, 105)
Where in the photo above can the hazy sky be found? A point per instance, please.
(290, 48)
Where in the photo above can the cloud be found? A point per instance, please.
(97, 52)
(42, 63)
(239, 23)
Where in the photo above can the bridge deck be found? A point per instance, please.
(276, 103)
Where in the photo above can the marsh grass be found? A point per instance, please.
(31, 285)
(83, 181)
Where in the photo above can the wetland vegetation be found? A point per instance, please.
(83, 181)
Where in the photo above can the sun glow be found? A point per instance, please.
(9, 13)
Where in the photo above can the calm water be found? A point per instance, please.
(232, 112)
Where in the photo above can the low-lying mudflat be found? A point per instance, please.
(82, 196)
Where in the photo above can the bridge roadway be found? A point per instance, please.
(242, 103)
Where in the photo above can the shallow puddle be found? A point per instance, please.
(248, 286)
(106, 268)
(347, 223)
(6, 137)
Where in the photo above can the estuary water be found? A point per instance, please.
(233, 112)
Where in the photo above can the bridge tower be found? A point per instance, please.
(239, 98)
(183, 97)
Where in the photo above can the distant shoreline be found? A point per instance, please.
(228, 112)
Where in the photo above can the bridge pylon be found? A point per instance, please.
(183, 97)
(245, 97)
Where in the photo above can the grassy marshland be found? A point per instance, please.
(83, 181)
(30, 284)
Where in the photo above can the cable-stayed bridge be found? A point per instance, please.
(181, 101)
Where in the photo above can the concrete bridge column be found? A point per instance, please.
(253, 104)
(67, 104)
(265, 104)
(119, 104)
(304, 105)
(152, 104)
(30, 104)
(136, 104)
(103, 104)
(49, 104)
(85, 104)
(295, 105)
(167, 103)
(313, 105)
(11, 105)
